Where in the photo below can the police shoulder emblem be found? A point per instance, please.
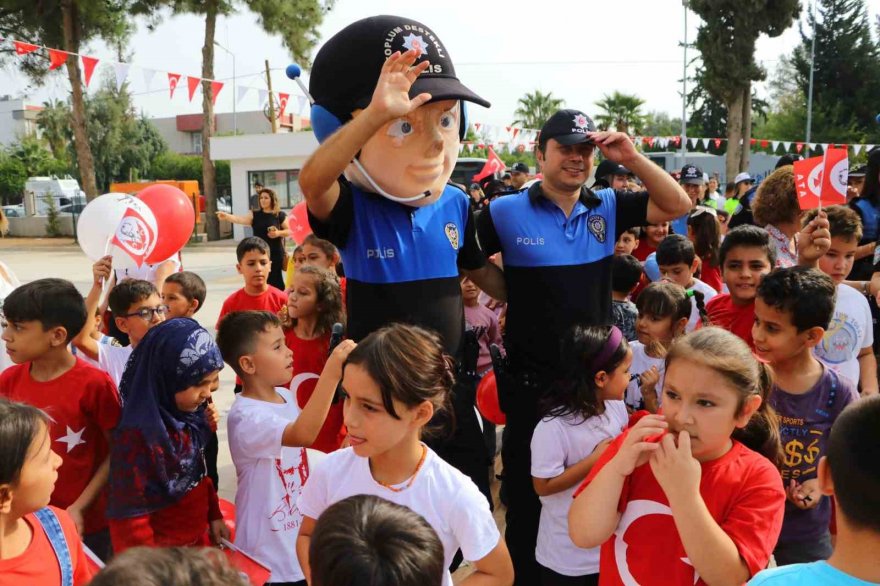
(596, 225)
(452, 234)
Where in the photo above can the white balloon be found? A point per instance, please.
(99, 221)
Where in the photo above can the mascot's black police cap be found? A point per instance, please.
(347, 67)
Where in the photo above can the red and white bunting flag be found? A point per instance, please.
(216, 86)
(493, 165)
(300, 104)
(834, 176)
(173, 80)
(57, 58)
(134, 236)
(798, 146)
(22, 48)
(263, 96)
(242, 91)
(89, 64)
(192, 83)
(717, 142)
(121, 70)
(282, 103)
(149, 74)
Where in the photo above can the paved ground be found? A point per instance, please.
(36, 258)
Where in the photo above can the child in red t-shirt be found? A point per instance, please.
(30, 531)
(651, 237)
(314, 304)
(321, 253)
(256, 295)
(677, 499)
(81, 401)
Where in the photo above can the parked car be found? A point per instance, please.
(14, 211)
(74, 208)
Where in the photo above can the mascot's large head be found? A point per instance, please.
(409, 159)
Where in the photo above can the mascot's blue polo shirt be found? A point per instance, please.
(402, 263)
(557, 269)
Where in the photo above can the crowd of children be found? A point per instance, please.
(701, 434)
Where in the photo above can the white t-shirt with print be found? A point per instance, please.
(270, 480)
(559, 443)
(851, 329)
(447, 499)
(708, 293)
(642, 363)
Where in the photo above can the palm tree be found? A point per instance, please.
(535, 108)
(54, 124)
(623, 112)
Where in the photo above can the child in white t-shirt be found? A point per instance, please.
(677, 260)
(393, 382)
(583, 413)
(664, 308)
(268, 434)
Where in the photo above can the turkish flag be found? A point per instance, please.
(256, 572)
(134, 236)
(89, 64)
(192, 83)
(216, 86)
(56, 58)
(492, 166)
(834, 176)
(808, 182)
(22, 48)
(173, 80)
(282, 103)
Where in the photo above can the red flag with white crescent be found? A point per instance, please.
(835, 173)
(282, 103)
(493, 165)
(173, 80)
(22, 48)
(808, 182)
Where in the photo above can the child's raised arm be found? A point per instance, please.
(594, 514)
(102, 270)
(304, 430)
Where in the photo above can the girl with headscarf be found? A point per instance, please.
(159, 493)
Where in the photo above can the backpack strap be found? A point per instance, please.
(52, 527)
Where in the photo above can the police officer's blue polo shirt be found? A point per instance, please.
(557, 269)
(402, 263)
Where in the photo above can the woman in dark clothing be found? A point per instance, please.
(270, 224)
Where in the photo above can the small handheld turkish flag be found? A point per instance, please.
(492, 166)
(834, 176)
(822, 180)
(808, 182)
(134, 236)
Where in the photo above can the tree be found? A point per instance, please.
(726, 41)
(67, 24)
(54, 124)
(296, 21)
(535, 108)
(660, 124)
(623, 112)
(13, 176)
(846, 79)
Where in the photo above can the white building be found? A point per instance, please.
(17, 120)
(183, 133)
(274, 160)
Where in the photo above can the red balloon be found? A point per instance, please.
(299, 223)
(227, 509)
(487, 399)
(175, 219)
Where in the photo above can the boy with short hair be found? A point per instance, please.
(848, 345)
(627, 241)
(365, 535)
(677, 260)
(81, 401)
(626, 271)
(746, 255)
(184, 293)
(136, 307)
(268, 434)
(793, 308)
(850, 472)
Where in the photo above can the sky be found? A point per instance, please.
(578, 50)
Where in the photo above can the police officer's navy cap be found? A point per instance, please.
(858, 171)
(609, 167)
(347, 67)
(691, 175)
(568, 127)
(520, 168)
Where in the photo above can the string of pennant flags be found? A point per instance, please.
(58, 57)
(499, 137)
(512, 138)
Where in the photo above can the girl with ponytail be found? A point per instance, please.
(694, 490)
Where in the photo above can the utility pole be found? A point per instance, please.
(272, 119)
(684, 76)
(810, 91)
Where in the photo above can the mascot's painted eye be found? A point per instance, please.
(448, 120)
(400, 128)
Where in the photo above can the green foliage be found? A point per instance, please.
(621, 112)
(846, 77)
(13, 176)
(171, 165)
(661, 124)
(535, 108)
(54, 122)
(53, 220)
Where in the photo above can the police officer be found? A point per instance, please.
(692, 181)
(611, 174)
(519, 174)
(557, 238)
